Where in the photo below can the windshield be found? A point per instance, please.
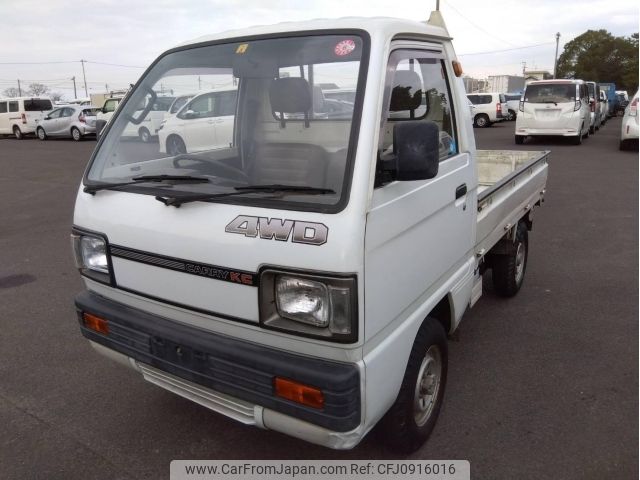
(550, 93)
(254, 113)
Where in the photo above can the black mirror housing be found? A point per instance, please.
(417, 148)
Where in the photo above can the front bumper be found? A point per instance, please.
(230, 376)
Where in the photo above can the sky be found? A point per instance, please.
(44, 40)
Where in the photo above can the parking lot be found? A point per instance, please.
(544, 385)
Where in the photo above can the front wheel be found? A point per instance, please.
(75, 134)
(41, 134)
(175, 146)
(410, 420)
(508, 269)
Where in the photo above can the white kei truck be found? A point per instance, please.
(304, 277)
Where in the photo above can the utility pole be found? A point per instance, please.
(524, 68)
(199, 83)
(75, 92)
(555, 63)
(19, 89)
(84, 76)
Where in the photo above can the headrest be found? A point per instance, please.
(247, 67)
(290, 95)
(407, 91)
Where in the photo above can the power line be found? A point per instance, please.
(71, 61)
(115, 64)
(506, 49)
(478, 26)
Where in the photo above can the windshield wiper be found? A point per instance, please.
(275, 188)
(146, 178)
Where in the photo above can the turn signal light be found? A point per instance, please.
(95, 323)
(299, 393)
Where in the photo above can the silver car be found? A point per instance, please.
(75, 121)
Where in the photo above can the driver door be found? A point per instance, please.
(199, 124)
(51, 123)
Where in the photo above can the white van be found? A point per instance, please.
(20, 116)
(554, 107)
(491, 107)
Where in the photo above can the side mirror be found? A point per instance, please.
(417, 147)
(190, 114)
(47, 117)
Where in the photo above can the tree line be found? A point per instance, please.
(598, 56)
(32, 90)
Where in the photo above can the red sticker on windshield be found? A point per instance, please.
(345, 47)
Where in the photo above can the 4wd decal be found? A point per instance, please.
(279, 229)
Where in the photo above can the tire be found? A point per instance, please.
(42, 135)
(144, 135)
(511, 116)
(577, 140)
(412, 417)
(175, 145)
(75, 134)
(508, 269)
(624, 145)
(17, 133)
(481, 121)
(520, 139)
(592, 130)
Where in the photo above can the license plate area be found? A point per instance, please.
(178, 354)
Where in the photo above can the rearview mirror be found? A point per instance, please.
(417, 147)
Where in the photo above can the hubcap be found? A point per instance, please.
(76, 134)
(520, 254)
(427, 385)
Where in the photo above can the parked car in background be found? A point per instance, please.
(623, 100)
(491, 107)
(610, 90)
(594, 107)
(604, 107)
(629, 131)
(204, 123)
(513, 101)
(72, 121)
(344, 94)
(110, 106)
(554, 107)
(19, 116)
(150, 124)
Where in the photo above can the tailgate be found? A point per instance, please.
(510, 183)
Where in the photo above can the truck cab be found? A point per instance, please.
(302, 275)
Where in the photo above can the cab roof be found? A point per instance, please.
(376, 26)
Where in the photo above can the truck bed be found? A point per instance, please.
(510, 183)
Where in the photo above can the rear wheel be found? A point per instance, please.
(511, 116)
(144, 135)
(520, 139)
(410, 420)
(41, 133)
(75, 134)
(481, 121)
(624, 145)
(17, 133)
(577, 140)
(508, 269)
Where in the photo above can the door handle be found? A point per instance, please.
(461, 191)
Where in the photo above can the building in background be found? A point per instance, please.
(506, 83)
(475, 85)
(531, 75)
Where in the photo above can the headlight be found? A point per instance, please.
(90, 253)
(319, 306)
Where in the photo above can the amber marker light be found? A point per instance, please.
(457, 68)
(95, 323)
(299, 393)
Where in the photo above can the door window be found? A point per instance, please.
(3, 107)
(418, 89)
(56, 113)
(200, 107)
(226, 104)
(67, 112)
(110, 106)
(13, 106)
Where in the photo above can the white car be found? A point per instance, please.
(151, 123)
(179, 102)
(513, 102)
(629, 131)
(594, 107)
(204, 123)
(554, 107)
(20, 116)
(491, 107)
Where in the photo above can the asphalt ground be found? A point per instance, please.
(544, 385)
